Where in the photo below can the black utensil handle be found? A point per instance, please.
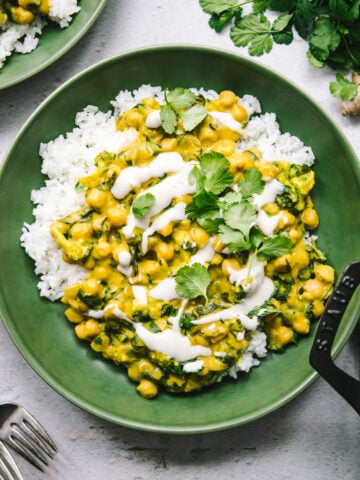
(320, 354)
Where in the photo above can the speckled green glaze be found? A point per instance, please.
(54, 42)
(46, 338)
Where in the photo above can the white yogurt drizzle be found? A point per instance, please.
(140, 294)
(175, 213)
(228, 120)
(266, 222)
(171, 341)
(164, 192)
(258, 291)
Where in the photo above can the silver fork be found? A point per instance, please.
(8, 467)
(23, 432)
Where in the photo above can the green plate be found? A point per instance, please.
(38, 327)
(53, 43)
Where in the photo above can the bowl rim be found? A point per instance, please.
(56, 385)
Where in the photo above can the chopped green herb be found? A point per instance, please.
(142, 205)
(181, 103)
(192, 281)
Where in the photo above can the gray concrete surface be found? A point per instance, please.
(315, 437)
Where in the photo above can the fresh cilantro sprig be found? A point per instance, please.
(192, 281)
(330, 28)
(142, 204)
(181, 103)
(213, 174)
(343, 88)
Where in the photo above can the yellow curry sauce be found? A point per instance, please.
(129, 308)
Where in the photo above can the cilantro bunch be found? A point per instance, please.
(331, 28)
(233, 215)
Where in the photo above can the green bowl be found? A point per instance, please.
(38, 327)
(54, 42)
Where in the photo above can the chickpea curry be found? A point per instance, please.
(194, 249)
(23, 12)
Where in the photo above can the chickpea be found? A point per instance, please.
(96, 198)
(281, 264)
(310, 218)
(44, 7)
(168, 144)
(165, 251)
(101, 250)
(318, 308)
(226, 147)
(81, 230)
(87, 330)
(134, 372)
(166, 231)
(91, 286)
(149, 267)
(200, 236)
(281, 335)
(73, 316)
(267, 169)
(133, 118)
(207, 135)
(22, 16)
(218, 245)
(313, 289)
(301, 324)
(230, 263)
(147, 389)
(117, 216)
(239, 113)
(324, 273)
(227, 98)
(287, 219)
(101, 272)
(271, 208)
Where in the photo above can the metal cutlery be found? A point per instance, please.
(20, 430)
(8, 467)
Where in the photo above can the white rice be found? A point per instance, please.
(25, 38)
(71, 156)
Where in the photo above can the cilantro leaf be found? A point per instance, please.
(180, 98)
(217, 6)
(234, 239)
(141, 205)
(273, 247)
(168, 119)
(217, 176)
(232, 197)
(204, 203)
(324, 38)
(282, 29)
(219, 21)
(241, 216)
(193, 117)
(253, 31)
(252, 183)
(192, 281)
(210, 222)
(304, 17)
(343, 88)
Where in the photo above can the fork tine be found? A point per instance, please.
(32, 427)
(39, 432)
(28, 449)
(8, 467)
